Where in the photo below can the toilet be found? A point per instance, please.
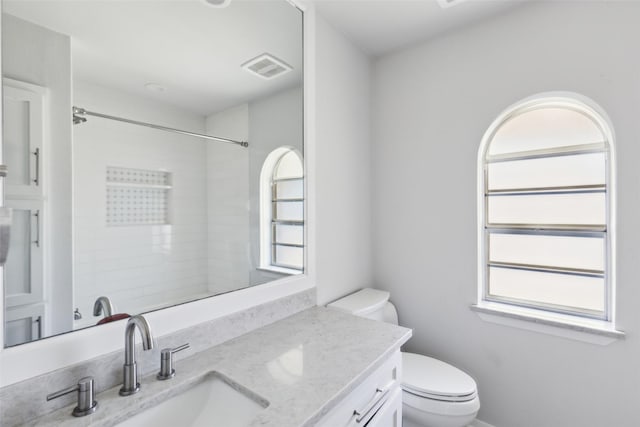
(434, 393)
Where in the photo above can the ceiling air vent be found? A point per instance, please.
(266, 66)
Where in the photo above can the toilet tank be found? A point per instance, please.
(370, 303)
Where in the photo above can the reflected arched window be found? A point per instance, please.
(545, 206)
(282, 211)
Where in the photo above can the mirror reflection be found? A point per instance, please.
(155, 155)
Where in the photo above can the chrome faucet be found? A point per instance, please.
(103, 305)
(130, 383)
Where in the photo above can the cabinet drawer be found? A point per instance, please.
(23, 324)
(367, 397)
(390, 414)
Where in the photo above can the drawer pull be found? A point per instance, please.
(377, 399)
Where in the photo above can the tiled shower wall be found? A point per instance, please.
(137, 265)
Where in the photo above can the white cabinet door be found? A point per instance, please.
(23, 271)
(23, 137)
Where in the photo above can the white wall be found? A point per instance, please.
(432, 104)
(39, 56)
(233, 180)
(274, 121)
(228, 193)
(343, 189)
(139, 267)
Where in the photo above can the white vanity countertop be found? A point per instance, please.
(302, 365)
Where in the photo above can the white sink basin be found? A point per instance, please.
(210, 402)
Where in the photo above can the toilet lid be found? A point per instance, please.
(432, 378)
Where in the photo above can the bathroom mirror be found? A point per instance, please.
(155, 155)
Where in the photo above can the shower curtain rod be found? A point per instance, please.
(79, 112)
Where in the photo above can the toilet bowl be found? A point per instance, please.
(434, 393)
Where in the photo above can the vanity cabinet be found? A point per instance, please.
(376, 402)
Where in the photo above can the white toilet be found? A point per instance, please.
(434, 393)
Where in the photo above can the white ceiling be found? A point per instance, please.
(381, 26)
(194, 51)
(191, 49)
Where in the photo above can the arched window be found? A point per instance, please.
(545, 201)
(282, 211)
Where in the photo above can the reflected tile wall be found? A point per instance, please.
(139, 267)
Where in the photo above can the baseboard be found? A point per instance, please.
(478, 423)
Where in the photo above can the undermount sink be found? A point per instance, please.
(213, 401)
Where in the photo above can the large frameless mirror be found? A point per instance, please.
(154, 152)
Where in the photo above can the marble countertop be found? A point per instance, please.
(302, 365)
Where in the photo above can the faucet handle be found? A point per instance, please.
(86, 397)
(166, 362)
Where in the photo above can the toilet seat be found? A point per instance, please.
(441, 398)
(430, 378)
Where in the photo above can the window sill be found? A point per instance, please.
(561, 325)
(281, 270)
